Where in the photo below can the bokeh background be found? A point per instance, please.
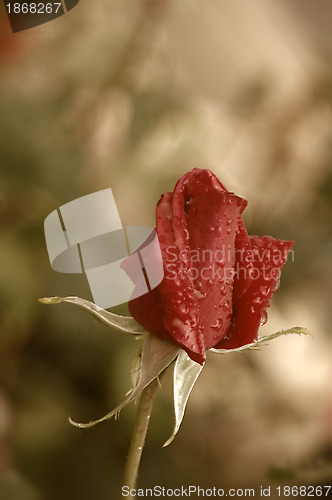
(131, 95)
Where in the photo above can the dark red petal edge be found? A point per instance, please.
(242, 262)
(269, 257)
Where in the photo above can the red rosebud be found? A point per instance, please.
(218, 281)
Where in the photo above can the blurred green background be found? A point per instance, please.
(131, 95)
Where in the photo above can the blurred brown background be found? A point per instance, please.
(131, 95)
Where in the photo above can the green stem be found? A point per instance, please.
(139, 434)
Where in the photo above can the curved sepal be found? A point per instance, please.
(186, 372)
(299, 330)
(123, 323)
(157, 355)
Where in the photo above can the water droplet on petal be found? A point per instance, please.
(263, 318)
(217, 325)
(226, 305)
(219, 230)
(211, 229)
(209, 282)
(257, 300)
(264, 290)
(193, 322)
(199, 295)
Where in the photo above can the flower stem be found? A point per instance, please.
(139, 434)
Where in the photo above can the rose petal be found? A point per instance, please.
(147, 311)
(249, 311)
(211, 222)
(177, 292)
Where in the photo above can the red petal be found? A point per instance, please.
(249, 311)
(209, 216)
(177, 292)
(147, 311)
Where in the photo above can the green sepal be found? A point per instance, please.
(156, 356)
(299, 330)
(123, 323)
(186, 372)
